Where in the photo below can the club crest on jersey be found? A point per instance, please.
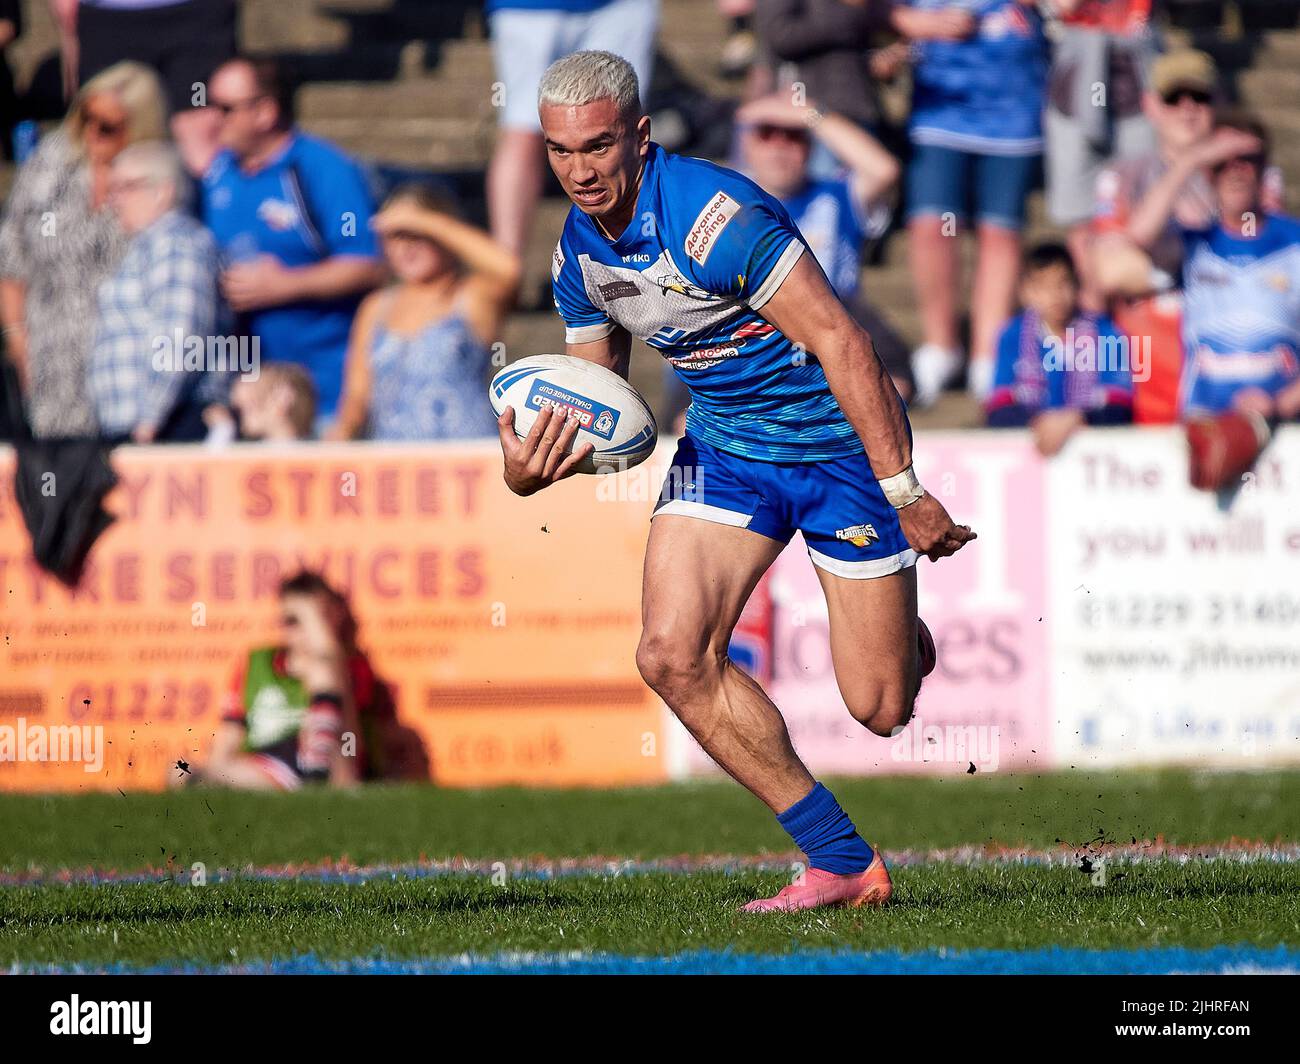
(709, 225)
(858, 535)
(277, 214)
(675, 282)
(595, 417)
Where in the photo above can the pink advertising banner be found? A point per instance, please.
(987, 704)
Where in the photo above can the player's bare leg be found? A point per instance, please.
(878, 665)
(698, 576)
(874, 646)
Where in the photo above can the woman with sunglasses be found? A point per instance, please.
(58, 240)
(420, 350)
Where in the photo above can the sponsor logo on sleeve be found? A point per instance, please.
(709, 225)
(557, 263)
(594, 417)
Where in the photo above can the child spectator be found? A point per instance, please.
(420, 351)
(1142, 284)
(1058, 367)
(278, 405)
(1241, 277)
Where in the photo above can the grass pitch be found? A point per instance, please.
(68, 896)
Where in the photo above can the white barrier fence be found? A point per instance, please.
(1107, 615)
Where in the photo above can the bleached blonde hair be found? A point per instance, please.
(584, 77)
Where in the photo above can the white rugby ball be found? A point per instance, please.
(611, 414)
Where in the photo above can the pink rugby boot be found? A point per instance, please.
(815, 889)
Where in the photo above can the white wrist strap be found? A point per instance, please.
(902, 489)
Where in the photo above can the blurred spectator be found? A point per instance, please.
(837, 215)
(184, 41)
(976, 132)
(1241, 278)
(308, 709)
(740, 48)
(527, 36)
(1142, 283)
(58, 241)
(825, 46)
(279, 404)
(1100, 60)
(420, 351)
(291, 215)
(11, 27)
(159, 302)
(1058, 367)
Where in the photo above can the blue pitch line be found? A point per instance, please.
(524, 870)
(1054, 960)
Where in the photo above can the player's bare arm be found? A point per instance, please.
(809, 313)
(614, 351)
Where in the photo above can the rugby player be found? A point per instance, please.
(793, 425)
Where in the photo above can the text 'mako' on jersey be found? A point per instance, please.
(705, 251)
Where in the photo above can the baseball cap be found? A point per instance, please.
(1187, 69)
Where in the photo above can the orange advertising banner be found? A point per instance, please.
(505, 627)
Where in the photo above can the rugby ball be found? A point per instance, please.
(611, 414)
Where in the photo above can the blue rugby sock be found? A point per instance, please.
(824, 832)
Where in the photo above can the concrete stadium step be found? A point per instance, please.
(1273, 85)
(416, 94)
(422, 143)
(313, 25)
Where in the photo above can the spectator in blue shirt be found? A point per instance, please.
(150, 375)
(976, 134)
(1058, 367)
(291, 215)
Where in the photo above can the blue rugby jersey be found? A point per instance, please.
(309, 203)
(984, 94)
(704, 252)
(1241, 312)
